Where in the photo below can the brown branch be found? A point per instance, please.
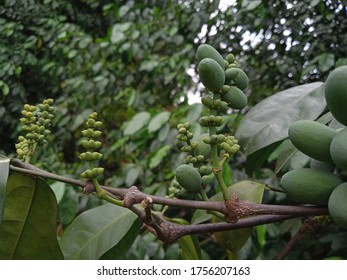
(309, 227)
(172, 232)
(233, 209)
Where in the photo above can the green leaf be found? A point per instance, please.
(287, 152)
(4, 88)
(159, 155)
(28, 230)
(4, 169)
(136, 123)
(268, 121)
(158, 121)
(326, 61)
(132, 175)
(256, 159)
(190, 248)
(96, 231)
(58, 189)
(189, 244)
(122, 247)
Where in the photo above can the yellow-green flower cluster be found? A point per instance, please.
(35, 122)
(91, 144)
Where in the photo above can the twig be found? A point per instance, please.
(172, 231)
(309, 227)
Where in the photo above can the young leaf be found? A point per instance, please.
(268, 121)
(28, 230)
(96, 231)
(4, 169)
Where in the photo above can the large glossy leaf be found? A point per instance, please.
(268, 121)
(118, 251)
(4, 169)
(28, 230)
(256, 159)
(96, 231)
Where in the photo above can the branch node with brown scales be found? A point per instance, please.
(237, 209)
(133, 196)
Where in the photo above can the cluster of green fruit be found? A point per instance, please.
(324, 183)
(91, 144)
(225, 83)
(36, 121)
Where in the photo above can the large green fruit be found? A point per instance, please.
(312, 138)
(235, 76)
(338, 149)
(202, 148)
(189, 178)
(211, 74)
(336, 93)
(207, 51)
(338, 205)
(311, 186)
(235, 98)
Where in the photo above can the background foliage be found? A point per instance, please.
(133, 62)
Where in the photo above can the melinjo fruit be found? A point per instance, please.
(338, 205)
(306, 185)
(189, 178)
(312, 138)
(338, 149)
(336, 93)
(211, 74)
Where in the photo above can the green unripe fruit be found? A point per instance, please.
(312, 138)
(235, 98)
(202, 148)
(211, 74)
(338, 205)
(225, 88)
(97, 171)
(230, 58)
(200, 158)
(187, 195)
(188, 177)
(90, 123)
(182, 130)
(237, 77)
(87, 132)
(207, 180)
(186, 149)
(226, 64)
(207, 101)
(205, 170)
(87, 174)
(96, 155)
(336, 93)
(207, 51)
(98, 124)
(338, 149)
(306, 185)
(96, 134)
